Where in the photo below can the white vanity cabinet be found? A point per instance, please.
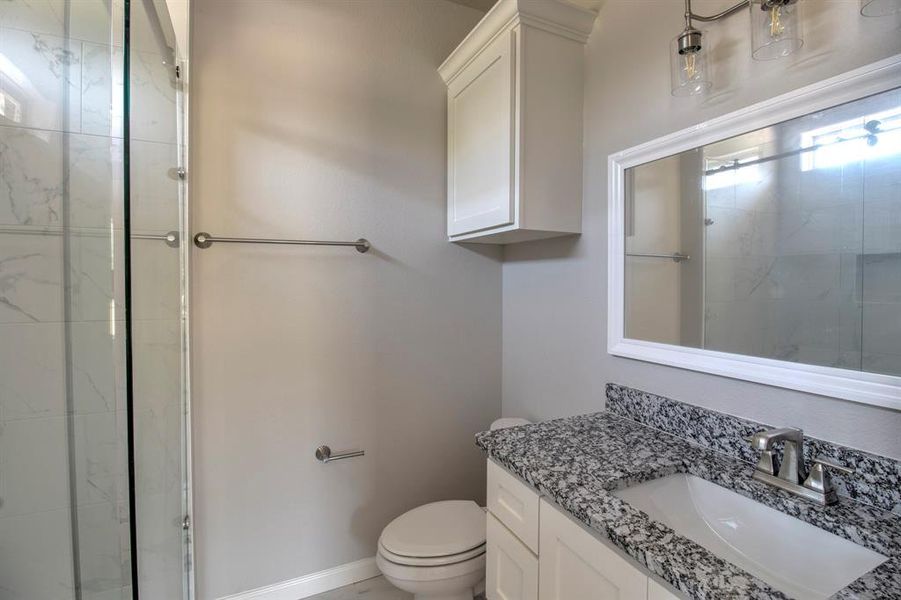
(658, 592)
(512, 537)
(511, 568)
(565, 562)
(514, 123)
(575, 565)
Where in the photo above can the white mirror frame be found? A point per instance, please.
(857, 386)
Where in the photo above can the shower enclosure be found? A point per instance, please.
(94, 437)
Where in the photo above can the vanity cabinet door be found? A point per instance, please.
(512, 569)
(480, 140)
(574, 565)
(658, 592)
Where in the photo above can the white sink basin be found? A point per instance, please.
(792, 556)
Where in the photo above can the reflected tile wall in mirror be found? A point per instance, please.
(796, 250)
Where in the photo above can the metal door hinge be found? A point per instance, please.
(178, 71)
(186, 523)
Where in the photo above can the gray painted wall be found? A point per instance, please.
(327, 120)
(555, 360)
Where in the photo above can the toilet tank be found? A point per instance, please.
(505, 422)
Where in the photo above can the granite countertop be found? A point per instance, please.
(579, 461)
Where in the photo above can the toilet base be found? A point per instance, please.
(458, 581)
(467, 595)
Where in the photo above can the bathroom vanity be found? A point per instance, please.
(655, 499)
(572, 564)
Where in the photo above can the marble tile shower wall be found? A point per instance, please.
(61, 165)
(814, 256)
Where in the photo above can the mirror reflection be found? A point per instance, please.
(781, 243)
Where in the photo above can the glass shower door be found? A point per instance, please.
(158, 325)
(75, 522)
(64, 492)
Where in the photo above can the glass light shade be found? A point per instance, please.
(688, 71)
(775, 31)
(879, 8)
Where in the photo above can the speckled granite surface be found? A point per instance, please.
(578, 461)
(876, 479)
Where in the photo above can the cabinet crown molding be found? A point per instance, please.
(555, 16)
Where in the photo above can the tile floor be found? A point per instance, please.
(371, 589)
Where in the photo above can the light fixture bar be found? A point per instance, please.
(722, 15)
(774, 33)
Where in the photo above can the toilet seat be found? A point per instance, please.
(440, 533)
(397, 574)
(434, 561)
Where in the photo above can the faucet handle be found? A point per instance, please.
(819, 480)
(825, 461)
(767, 463)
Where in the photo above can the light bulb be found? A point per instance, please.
(774, 28)
(689, 65)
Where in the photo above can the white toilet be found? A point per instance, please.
(437, 551)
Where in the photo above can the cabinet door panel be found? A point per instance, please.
(514, 503)
(512, 569)
(480, 141)
(574, 565)
(658, 592)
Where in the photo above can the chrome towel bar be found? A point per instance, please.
(170, 237)
(324, 454)
(205, 240)
(675, 256)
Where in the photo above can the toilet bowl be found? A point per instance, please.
(437, 551)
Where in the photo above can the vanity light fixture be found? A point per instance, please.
(879, 8)
(688, 63)
(774, 28)
(774, 34)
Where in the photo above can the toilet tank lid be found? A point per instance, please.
(436, 529)
(509, 422)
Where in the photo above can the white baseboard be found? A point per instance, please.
(314, 583)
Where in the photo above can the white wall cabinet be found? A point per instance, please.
(514, 124)
(567, 562)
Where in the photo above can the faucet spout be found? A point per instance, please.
(764, 440)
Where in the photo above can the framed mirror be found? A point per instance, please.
(765, 245)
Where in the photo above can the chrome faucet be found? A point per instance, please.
(791, 476)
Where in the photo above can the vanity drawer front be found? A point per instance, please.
(514, 504)
(512, 569)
